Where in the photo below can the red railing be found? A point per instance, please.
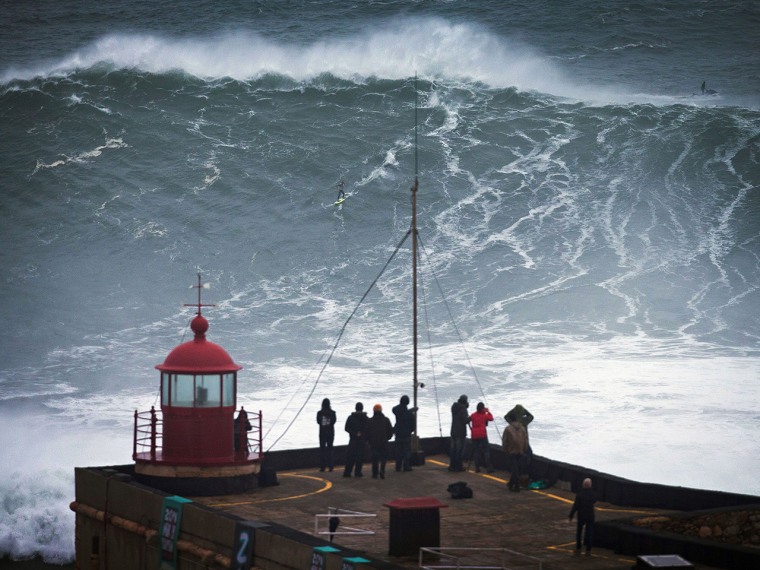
(253, 439)
(148, 437)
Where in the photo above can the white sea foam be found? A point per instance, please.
(432, 47)
(83, 156)
(38, 460)
(35, 519)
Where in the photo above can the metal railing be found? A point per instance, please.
(440, 558)
(148, 437)
(335, 518)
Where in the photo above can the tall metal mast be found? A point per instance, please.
(414, 284)
(414, 251)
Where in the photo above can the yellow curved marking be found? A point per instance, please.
(550, 495)
(326, 487)
(569, 547)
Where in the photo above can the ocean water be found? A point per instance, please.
(589, 224)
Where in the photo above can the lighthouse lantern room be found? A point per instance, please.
(197, 444)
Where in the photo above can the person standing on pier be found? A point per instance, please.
(241, 427)
(326, 420)
(478, 424)
(459, 421)
(404, 428)
(584, 506)
(521, 415)
(379, 431)
(356, 426)
(514, 441)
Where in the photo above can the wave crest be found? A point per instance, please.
(431, 47)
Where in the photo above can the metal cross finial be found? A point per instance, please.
(199, 286)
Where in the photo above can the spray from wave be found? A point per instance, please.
(431, 47)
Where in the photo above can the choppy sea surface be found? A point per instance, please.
(589, 223)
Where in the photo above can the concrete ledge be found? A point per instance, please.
(624, 537)
(627, 493)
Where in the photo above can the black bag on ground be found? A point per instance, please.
(460, 490)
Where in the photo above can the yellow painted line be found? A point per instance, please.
(553, 496)
(568, 547)
(565, 546)
(436, 462)
(326, 487)
(546, 494)
(485, 475)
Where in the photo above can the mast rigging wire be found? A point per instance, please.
(456, 329)
(337, 341)
(345, 325)
(432, 361)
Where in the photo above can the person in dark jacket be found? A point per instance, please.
(356, 426)
(379, 431)
(240, 427)
(584, 506)
(404, 428)
(326, 420)
(459, 420)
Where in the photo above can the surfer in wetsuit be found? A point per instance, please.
(341, 193)
(706, 91)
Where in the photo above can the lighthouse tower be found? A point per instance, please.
(198, 444)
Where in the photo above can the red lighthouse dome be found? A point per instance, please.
(196, 445)
(199, 354)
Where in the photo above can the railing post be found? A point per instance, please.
(134, 440)
(153, 433)
(261, 444)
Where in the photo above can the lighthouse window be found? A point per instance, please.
(165, 388)
(182, 390)
(208, 390)
(228, 397)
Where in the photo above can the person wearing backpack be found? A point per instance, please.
(514, 441)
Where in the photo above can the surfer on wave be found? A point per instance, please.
(341, 193)
(706, 91)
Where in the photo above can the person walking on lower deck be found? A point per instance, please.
(584, 506)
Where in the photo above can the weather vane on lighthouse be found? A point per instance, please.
(199, 286)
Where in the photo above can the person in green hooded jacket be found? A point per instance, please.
(524, 417)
